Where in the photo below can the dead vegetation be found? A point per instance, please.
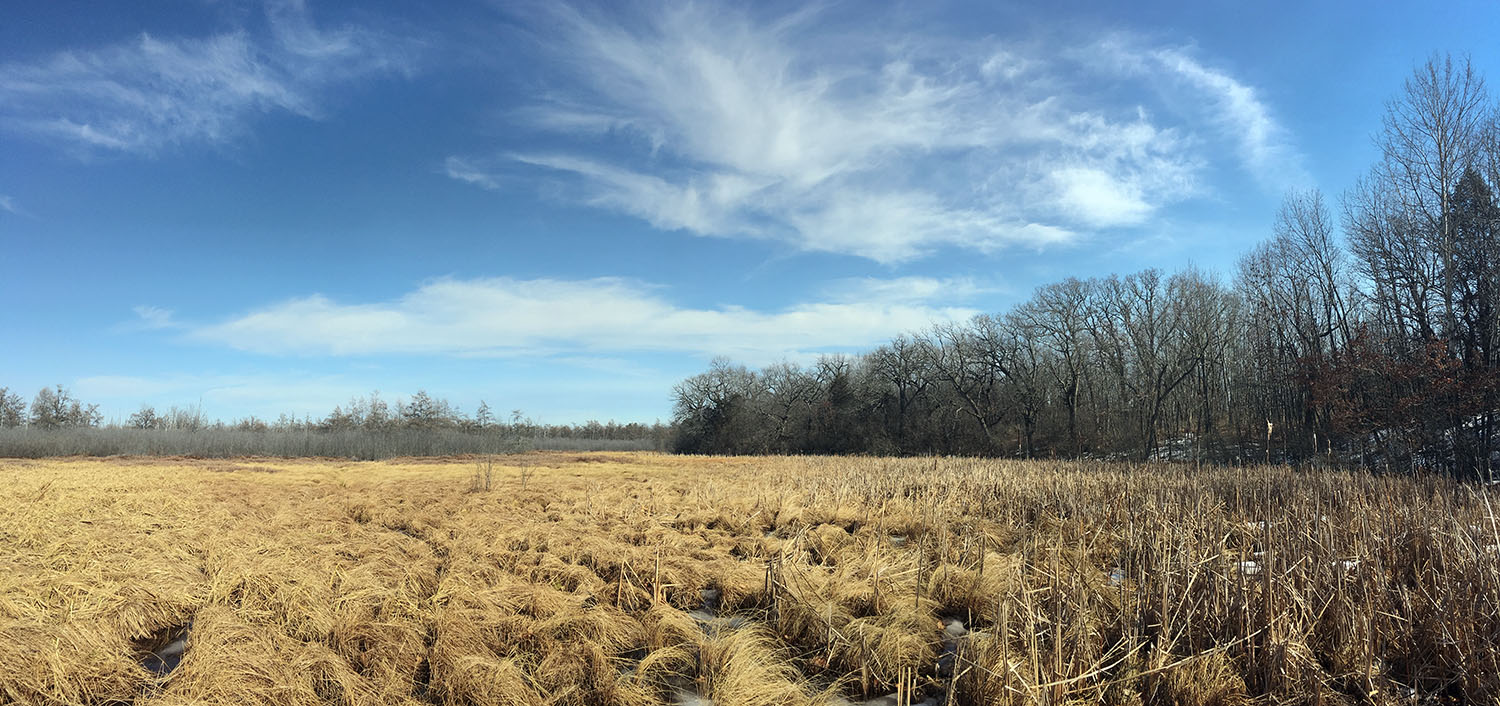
(646, 579)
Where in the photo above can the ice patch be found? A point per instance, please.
(685, 697)
(162, 651)
(954, 628)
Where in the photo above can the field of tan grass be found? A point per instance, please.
(638, 579)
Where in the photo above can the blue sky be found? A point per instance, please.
(564, 209)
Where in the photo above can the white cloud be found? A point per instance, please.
(726, 125)
(707, 206)
(8, 205)
(460, 169)
(1096, 197)
(1233, 108)
(907, 290)
(151, 93)
(1263, 143)
(152, 318)
(503, 316)
(1005, 65)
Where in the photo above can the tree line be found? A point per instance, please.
(52, 408)
(57, 423)
(1358, 332)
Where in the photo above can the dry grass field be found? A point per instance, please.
(638, 579)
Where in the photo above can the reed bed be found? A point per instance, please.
(638, 578)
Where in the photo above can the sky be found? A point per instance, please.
(564, 209)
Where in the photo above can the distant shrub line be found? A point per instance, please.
(57, 424)
(358, 444)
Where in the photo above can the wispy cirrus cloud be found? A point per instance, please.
(510, 317)
(913, 289)
(460, 169)
(1225, 105)
(1264, 145)
(708, 119)
(152, 318)
(151, 93)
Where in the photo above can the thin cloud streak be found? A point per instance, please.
(914, 289)
(153, 93)
(1264, 144)
(151, 318)
(460, 169)
(513, 317)
(1233, 108)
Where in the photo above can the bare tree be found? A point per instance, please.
(1402, 271)
(338, 420)
(1142, 329)
(1209, 314)
(1057, 317)
(788, 395)
(12, 409)
(191, 418)
(1431, 133)
(377, 413)
(54, 408)
(146, 418)
(1024, 360)
(967, 359)
(1314, 263)
(708, 408)
(901, 366)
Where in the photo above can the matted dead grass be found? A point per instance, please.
(637, 579)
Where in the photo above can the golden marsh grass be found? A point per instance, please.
(638, 578)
